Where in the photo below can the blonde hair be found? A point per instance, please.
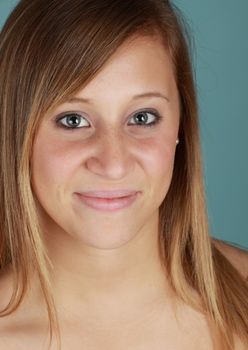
(48, 51)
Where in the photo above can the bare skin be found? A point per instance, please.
(154, 326)
(110, 288)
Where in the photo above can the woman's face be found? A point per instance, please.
(117, 134)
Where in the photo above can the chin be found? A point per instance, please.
(106, 239)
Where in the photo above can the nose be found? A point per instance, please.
(111, 157)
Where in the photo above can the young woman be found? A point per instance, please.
(104, 235)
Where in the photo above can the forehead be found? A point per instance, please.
(138, 64)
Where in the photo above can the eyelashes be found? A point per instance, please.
(73, 120)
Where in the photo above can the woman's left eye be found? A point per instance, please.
(145, 118)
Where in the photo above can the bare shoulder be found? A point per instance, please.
(238, 257)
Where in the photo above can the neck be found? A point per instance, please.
(131, 275)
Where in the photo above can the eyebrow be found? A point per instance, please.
(135, 97)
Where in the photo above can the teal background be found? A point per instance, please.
(220, 29)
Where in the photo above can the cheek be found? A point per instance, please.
(51, 164)
(55, 163)
(158, 159)
(158, 155)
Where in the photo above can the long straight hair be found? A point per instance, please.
(48, 51)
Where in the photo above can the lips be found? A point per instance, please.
(108, 200)
(108, 194)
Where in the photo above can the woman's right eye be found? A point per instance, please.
(72, 121)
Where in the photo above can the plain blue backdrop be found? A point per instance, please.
(220, 29)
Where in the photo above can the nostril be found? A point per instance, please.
(110, 165)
